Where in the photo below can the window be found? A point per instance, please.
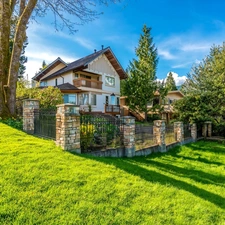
(56, 82)
(93, 99)
(110, 81)
(118, 100)
(85, 76)
(70, 98)
(84, 99)
(106, 100)
(156, 101)
(43, 83)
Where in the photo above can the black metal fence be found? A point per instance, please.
(45, 123)
(170, 136)
(187, 131)
(100, 132)
(144, 137)
(199, 130)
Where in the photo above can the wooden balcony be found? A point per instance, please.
(112, 109)
(83, 82)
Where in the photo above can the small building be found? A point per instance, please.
(92, 82)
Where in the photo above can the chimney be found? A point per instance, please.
(102, 46)
(95, 50)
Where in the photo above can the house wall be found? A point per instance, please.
(174, 96)
(103, 67)
(68, 78)
(58, 67)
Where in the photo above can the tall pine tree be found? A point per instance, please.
(141, 83)
(170, 83)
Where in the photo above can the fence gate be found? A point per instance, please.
(45, 123)
(100, 132)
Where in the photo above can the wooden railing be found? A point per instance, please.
(112, 109)
(83, 82)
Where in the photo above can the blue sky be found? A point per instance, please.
(183, 32)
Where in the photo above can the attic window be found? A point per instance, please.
(110, 81)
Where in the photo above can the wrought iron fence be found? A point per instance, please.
(187, 131)
(170, 136)
(45, 123)
(144, 136)
(199, 131)
(100, 132)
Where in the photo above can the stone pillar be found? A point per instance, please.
(68, 127)
(129, 135)
(194, 131)
(159, 132)
(30, 110)
(208, 129)
(204, 130)
(179, 131)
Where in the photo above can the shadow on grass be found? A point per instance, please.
(130, 166)
(207, 146)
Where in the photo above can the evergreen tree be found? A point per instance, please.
(44, 65)
(205, 90)
(141, 83)
(170, 83)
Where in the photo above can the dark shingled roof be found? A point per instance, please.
(67, 86)
(83, 63)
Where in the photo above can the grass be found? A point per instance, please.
(41, 184)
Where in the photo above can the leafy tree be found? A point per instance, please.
(205, 90)
(49, 97)
(83, 10)
(141, 84)
(170, 83)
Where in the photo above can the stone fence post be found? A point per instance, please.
(68, 127)
(194, 131)
(208, 129)
(179, 131)
(129, 135)
(159, 131)
(30, 110)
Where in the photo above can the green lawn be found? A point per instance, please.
(41, 184)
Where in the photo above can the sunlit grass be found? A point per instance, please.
(41, 184)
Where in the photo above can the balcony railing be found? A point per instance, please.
(112, 109)
(83, 82)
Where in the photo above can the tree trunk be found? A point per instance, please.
(5, 15)
(20, 35)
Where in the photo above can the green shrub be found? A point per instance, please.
(13, 122)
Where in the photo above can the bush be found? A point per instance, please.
(13, 122)
(86, 135)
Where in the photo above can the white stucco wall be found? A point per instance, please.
(58, 67)
(103, 67)
(68, 78)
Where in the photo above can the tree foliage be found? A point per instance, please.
(141, 84)
(80, 12)
(170, 83)
(205, 90)
(49, 97)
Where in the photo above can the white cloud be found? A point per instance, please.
(165, 54)
(36, 53)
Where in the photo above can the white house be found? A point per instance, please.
(90, 82)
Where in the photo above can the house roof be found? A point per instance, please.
(176, 92)
(48, 68)
(68, 87)
(83, 63)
